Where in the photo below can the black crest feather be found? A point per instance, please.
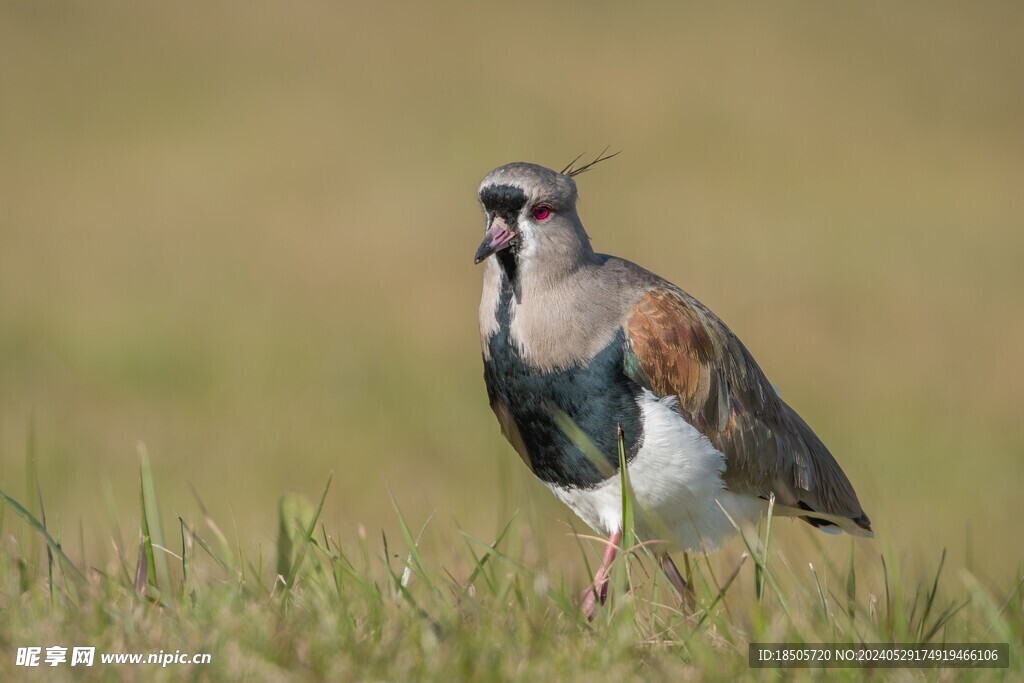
(571, 172)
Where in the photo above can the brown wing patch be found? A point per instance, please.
(673, 348)
(683, 349)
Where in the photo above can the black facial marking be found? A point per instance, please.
(503, 200)
(506, 201)
(596, 397)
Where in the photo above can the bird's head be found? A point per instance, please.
(531, 218)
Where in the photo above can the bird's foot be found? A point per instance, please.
(593, 598)
(597, 593)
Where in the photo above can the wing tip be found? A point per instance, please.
(863, 526)
(835, 524)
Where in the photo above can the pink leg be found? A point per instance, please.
(599, 591)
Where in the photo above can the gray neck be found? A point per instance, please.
(548, 258)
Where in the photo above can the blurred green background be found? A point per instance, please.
(242, 234)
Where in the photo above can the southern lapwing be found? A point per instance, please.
(577, 345)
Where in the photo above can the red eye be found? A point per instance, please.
(541, 212)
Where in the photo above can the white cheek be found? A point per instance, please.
(528, 238)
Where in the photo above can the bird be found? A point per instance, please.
(584, 352)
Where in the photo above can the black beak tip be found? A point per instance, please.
(483, 252)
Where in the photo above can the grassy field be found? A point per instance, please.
(237, 239)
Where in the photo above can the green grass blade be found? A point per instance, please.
(479, 571)
(821, 591)
(993, 614)
(184, 556)
(628, 528)
(222, 539)
(481, 561)
(721, 592)
(142, 569)
(851, 585)
(563, 602)
(145, 571)
(151, 518)
(629, 538)
(889, 619)
(759, 569)
(943, 619)
(756, 556)
(411, 544)
(206, 547)
(20, 510)
(308, 537)
(930, 597)
(238, 549)
(34, 474)
(32, 499)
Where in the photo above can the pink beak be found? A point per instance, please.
(498, 237)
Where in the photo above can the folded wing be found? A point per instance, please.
(678, 347)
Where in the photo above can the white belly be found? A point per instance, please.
(676, 479)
